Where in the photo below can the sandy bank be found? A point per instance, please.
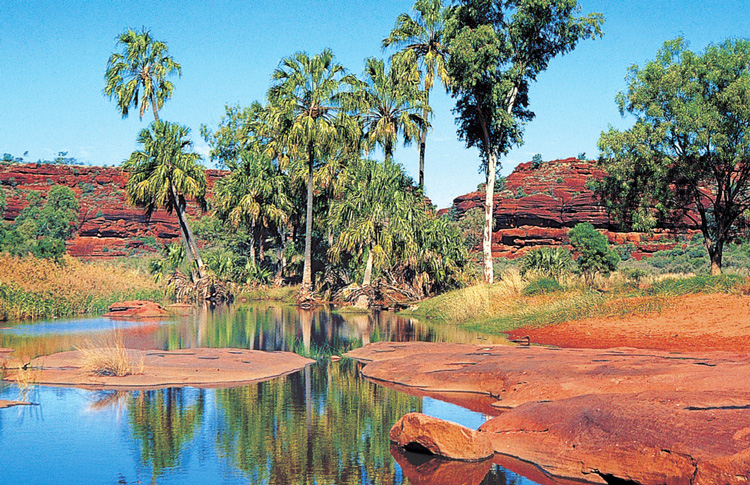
(201, 367)
(716, 321)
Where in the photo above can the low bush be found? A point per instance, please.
(698, 284)
(541, 286)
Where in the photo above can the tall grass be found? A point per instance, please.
(502, 307)
(40, 288)
(110, 358)
(473, 302)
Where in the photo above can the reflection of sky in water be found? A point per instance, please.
(451, 412)
(80, 325)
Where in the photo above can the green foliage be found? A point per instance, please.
(423, 36)
(546, 260)
(541, 286)
(42, 227)
(594, 253)
(138, 74)
(692, 258)
(391, 104)
(497, 50)
(470, 225)
(382, 225)
(697, 284)
(689, 145)
(537, 161)
(164, 173)
(635, 274)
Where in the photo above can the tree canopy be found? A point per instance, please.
(497, 48)
(164, 173)
(138, 74)
(687, 157)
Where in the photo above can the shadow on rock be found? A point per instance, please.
(423, 469)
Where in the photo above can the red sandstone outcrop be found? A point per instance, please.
(601, 416)
(107, 225)
(539, 205)
(137, 309)
(425, 434)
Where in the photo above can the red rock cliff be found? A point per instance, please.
(539, 205)
(107, 225)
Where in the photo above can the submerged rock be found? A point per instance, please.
(420, 433)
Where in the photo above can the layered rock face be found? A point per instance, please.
(538, 205)
(107, 225)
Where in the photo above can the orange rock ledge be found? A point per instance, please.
(599, 416)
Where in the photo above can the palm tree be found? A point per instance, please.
(308, 112)
(373, 212)
(138, 74)
(254, 193)
(163, 173)
(423, 36)
(391, 104)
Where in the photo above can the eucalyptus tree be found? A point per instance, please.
(371, 212)
(138, 74)
(307, 109)
(423, 36)
(497, 49)
(391, 104)
(164, 173)
(687, 158)
(254, 194)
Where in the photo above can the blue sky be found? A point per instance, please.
(53, 55)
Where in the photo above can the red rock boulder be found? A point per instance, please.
(424, 434)
(136, 309)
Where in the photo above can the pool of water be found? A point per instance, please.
(323, 425)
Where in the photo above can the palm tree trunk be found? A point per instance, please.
(191, 247)
(368, 268)
(423, 140)
(307, 270)
(252, 242)
(153, 105)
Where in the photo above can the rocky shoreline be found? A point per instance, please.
(600, 416)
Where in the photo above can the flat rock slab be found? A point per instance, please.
(8, 404)
(201, 367)
(651, 417)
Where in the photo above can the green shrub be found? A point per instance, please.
(594, 253)
(542, 285)
(697, 284)
(546, 260)
(635, 274)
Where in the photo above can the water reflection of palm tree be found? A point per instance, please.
(346, 420)
(163, 421)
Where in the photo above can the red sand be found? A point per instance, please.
(701, 322)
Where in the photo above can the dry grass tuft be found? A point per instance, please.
(110, 358)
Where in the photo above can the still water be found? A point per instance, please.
(323, 425)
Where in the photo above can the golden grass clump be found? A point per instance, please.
(474, 302)
(33, 288)
(110, 357)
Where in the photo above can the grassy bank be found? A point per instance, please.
(505, 305)
(39, 288)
